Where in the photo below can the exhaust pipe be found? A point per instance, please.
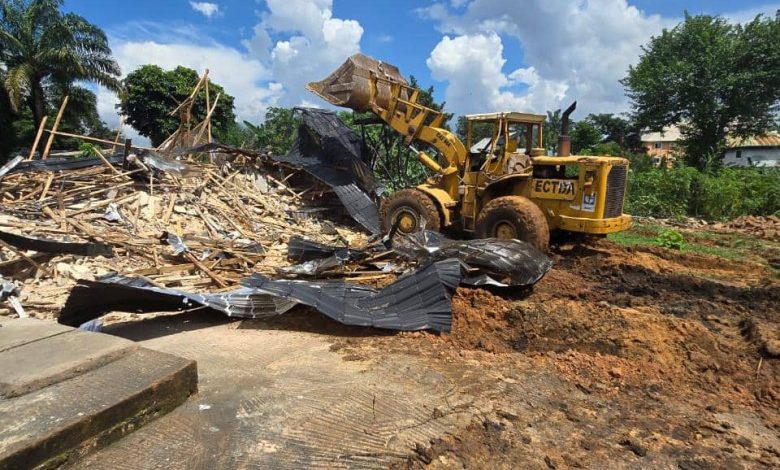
(564, 141)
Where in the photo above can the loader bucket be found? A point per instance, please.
(349, 86)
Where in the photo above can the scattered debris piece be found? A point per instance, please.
(50, 246)
(763, 227)
(489, 261)
(112, 213)
(10, 165)
(10, 292)
(333, 153)
(420, 300)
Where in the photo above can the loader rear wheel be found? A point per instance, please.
(514, 217)
(413, 209)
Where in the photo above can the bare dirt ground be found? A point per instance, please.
(637, 356)
(621, 357)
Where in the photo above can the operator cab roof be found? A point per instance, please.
(512, 116)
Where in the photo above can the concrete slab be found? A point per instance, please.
(37, 364)
(271, 398)
(69, 392)
(16, 332)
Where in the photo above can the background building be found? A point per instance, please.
(761, 150)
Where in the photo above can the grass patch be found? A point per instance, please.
(725, 246)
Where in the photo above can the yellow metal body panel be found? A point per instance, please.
(442, 199)
(595, 226)
(510, 115)
(554, 189)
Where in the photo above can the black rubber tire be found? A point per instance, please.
(528, 220)
(415, 202)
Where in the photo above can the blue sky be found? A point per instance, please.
(480, 55)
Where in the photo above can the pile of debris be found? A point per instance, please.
(231, 219)
(233, 230)
(762, 227)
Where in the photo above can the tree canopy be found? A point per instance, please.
(151, 93)
(41, 48)
(712, 78)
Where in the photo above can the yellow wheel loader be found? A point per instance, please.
(502, 185)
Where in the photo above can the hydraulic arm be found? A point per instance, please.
(365, 84)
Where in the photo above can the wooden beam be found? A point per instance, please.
(92, 139)
(106, 162)
(118, 132)
(54, 128)
(38, 137)
(208, 123)
(192, 95)
(208, 118)
(28, 259)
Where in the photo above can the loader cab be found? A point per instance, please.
(502, 143)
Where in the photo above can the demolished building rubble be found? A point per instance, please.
(240, 232)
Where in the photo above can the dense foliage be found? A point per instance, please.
(44, 55)
(151, 93)
(714, 194)
(41, 47)
(711, 77)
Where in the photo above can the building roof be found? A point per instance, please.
(771, 139)
(512, 116)
(669, 134)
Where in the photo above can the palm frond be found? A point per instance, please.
(17, 83)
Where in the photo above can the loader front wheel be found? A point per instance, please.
(412, 209)
(514, 217)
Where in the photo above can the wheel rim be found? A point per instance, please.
(504, 230)
(407, 220)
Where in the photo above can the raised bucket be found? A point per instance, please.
(349, 85)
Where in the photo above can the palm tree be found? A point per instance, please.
(552, 127)
(41, 47)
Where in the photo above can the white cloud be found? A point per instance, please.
(573, 50)
(473, 66)
(311, 43)
(308, 44)
(206, 9)
(385, 38)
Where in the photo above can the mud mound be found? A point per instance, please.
(632, 317)
(480, 321)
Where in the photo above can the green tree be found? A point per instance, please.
(584, 136)
(712, 78)
(151, 93)
(277, 132)
(613, 128)
(552, 128)
(9, 139)
(42, 47)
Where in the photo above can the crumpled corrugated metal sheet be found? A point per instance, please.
(331, 152)
(52, 246)
(417, 301)
(301, 249)
(499, 262)
(62, 164)
(89, 300)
